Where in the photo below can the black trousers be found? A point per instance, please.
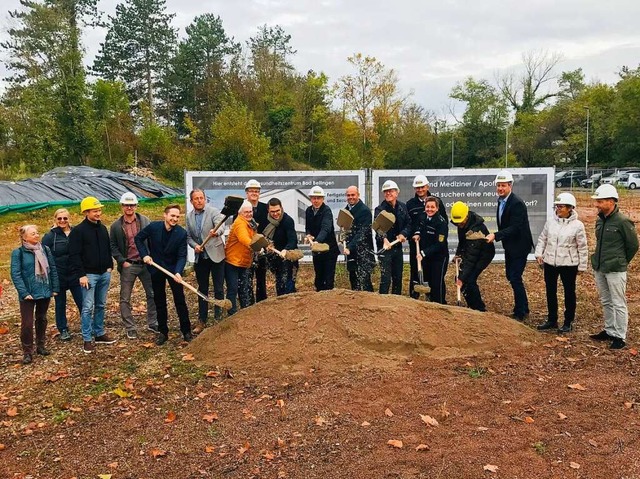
(324, 265)
(258, 269)
(514, 268)
(391, 264)
(204, 268)
(158, 282)
(413, 270)
(568, 276)
(360, 274)
(471, 293)
(435, 270)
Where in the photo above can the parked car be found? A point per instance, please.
(614, 179)
(569, 178)
(631, 181)
(591, 181)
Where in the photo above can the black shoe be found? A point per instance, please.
(27, 359)
(188, 337)
(566, 328)
(547, 325)
(617, 343)
(601, 336)
(518, 318)
(161, 339)
(41, 351)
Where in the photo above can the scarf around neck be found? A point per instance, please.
(270, 229)
(41, 262)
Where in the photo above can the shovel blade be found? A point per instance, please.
(232, 205)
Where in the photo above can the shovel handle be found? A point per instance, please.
(215, 228)
(173, 277)
(457, 262)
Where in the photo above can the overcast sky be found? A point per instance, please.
(432, 45)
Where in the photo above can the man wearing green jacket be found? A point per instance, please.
(616, 245)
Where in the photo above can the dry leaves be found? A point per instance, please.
(171, 416)
(490, 468)
(188, 357)
(429, 420)
(422, 447)
(529, 420)
(55, 377)
(209, 449)
(593, 443)
(148, 345)
(365, 424)
(561, 416)
(388, 412)
(574, 465)
(210, 417)
(12, 411)
(320, 421)
(156, 453)
(4, 330)
(395, 443)
(2, 447)
(121, 393)
(212, 374)
(577, 387)
(245, 447)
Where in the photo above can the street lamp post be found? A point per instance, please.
(586, 156)
(506, 146)
(452, 148)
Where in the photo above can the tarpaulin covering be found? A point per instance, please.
(67, 185)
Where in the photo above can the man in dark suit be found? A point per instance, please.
(319, 230)
(359, 243)
(416, 206)
(281, 231)
(167, 242)
(515, 234)
(260, 213)
(209, 260)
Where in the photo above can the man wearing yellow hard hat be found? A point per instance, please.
(90, 261)
(473, 250)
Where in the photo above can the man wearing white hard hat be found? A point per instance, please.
(616, 245)
(562, 251)
(390, 257)
(319, 229)
(416, 206)
(515, 233)
(259, 268)
(130, 265)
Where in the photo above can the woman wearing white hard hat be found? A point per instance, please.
(562, 252)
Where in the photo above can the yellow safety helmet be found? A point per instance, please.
(459, 212)
(90, 203)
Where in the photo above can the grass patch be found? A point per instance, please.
(540, 447)
(60, 416)
(477, 372)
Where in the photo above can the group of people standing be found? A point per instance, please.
(80, 259)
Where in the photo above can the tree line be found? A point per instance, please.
(205, 101)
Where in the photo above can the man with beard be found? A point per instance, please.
(281, 231)
(359, 243)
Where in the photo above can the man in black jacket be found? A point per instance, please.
(391, 260)
(415, 206)
(130, 266)
(320, 230)
(258, 268)
(515, 234)
(90, 262)
(281, 231)
(473, 251)
(167, 246)
(359, 243)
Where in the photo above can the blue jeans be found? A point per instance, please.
(238, 284)
(93, 303)
(61, 305)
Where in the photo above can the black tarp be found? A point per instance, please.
(69, 184)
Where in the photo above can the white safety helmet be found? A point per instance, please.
(504, 176)
(565, 199)
(420, 181)
(316, 191)
(390, 185)
(128, 198)
(252, 184)
(605, 191)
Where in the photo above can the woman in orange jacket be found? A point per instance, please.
(238, 257)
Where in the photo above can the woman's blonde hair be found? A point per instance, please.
(25, 228)
(57, 212)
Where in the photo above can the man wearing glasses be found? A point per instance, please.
(130, 266)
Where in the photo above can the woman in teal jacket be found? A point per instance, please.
(34, 274)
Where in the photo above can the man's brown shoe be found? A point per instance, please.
(199, 328)
(104, 339)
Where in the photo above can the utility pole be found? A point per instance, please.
(586, 155)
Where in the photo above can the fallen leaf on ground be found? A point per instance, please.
(113, 465)
(633, 352)
(422, 447)
(121, 393)
(158, 453)
(148, 345)
(280, 443)
(212, 374)
(561, 416)
(280, 403)
(365, 424)
(320, 421)
(245, 447)
(574, 465)
(529, 420)
(171, 416)
(104, 476)
(210, 417)
(269, 456)
(395, 443)
(12, 411)
(490, 468)
(578, 387)
(429, 420)
(188, 357)
(388, 412)
(482, 428)
(209, 449)
(4, 330)
(2, 447)
(593, 443)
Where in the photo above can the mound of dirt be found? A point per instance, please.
(340, 330)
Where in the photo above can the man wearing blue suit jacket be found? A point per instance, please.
(515, 234)
(167, 242)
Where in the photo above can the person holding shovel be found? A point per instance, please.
(359, 243)
(432, 235)
(281, 232)
(258, 267)
(238, 258)
(167, 246)
(473, 252)
(321, 233)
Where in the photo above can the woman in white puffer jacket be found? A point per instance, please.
(562, 251)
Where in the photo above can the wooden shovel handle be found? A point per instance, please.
(215, 228)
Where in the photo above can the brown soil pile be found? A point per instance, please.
(341, 330)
